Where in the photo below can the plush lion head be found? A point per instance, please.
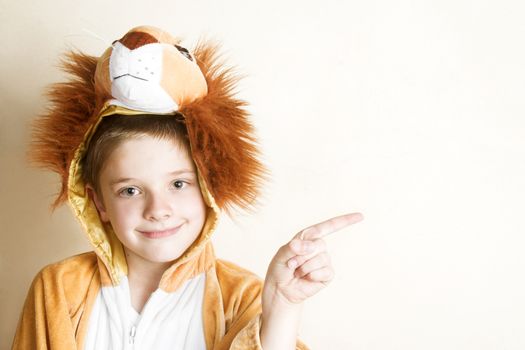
(148, 70)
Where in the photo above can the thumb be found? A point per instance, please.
(283, 264)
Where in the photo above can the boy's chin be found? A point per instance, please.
(155, 257)
(163, 259)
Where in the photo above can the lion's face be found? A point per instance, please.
(148, 70)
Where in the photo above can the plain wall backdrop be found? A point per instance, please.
(411, 112)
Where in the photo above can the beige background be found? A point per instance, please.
(409, 111)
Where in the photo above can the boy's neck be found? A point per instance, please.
(144, 278)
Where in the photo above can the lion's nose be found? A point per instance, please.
(135, 40)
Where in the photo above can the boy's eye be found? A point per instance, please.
(129, 192)
(178, 184)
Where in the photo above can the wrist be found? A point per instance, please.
(280, 320)
(279, 329)
(273, 300)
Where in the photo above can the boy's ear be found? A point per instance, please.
(92, 194)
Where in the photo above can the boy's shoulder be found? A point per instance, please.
(71, 275)
(240, 289)
(233, 274)
(74, 264)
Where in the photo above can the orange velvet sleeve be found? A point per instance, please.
(240, 292)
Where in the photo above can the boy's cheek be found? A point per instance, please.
(122, 214)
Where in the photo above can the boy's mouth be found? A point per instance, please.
(160, 234)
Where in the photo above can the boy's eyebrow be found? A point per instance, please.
(182, 171)
(173, 173)
(118, 181)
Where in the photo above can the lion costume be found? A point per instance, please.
(146, 72)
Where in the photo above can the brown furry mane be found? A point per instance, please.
(221, 136)
(59, 131)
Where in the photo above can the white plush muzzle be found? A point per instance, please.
(135, 79)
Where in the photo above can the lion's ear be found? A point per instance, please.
(179, 66)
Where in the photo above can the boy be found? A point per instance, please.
(151, 146)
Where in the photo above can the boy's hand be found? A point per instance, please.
(300, 269)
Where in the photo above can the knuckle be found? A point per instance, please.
(283, 249)
(300, 260)
(292, 244)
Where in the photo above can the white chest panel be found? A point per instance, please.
(168, 320)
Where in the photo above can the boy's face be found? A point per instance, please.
(151, 196)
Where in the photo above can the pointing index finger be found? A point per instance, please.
(330, 226)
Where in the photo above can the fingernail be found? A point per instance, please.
(292, 264)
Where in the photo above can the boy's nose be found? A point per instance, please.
(157, 208)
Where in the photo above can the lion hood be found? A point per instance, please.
(147, 71)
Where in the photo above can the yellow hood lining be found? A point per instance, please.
(101, 236)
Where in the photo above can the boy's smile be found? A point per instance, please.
(160, 234)
(150, 194)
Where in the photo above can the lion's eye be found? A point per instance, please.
(184, 51)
